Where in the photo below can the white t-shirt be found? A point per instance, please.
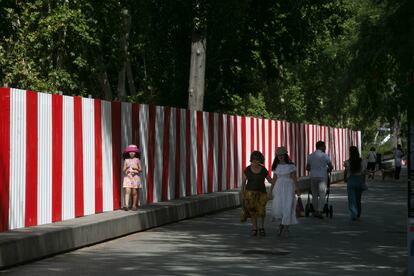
(372, 157)
(398, 158)
(319, 162)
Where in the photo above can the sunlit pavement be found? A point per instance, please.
(219, 244)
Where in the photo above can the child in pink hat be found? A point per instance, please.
(132, 179)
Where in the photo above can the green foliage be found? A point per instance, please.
(340, 63)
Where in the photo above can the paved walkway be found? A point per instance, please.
(219, 245)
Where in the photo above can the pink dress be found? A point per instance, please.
(132, 179)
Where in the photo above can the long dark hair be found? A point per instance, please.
(276, 161)
(354, 159)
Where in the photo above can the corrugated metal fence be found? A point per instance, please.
(60, 156)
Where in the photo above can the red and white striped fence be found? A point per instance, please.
(60, 156)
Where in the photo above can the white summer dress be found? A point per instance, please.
(284, 200)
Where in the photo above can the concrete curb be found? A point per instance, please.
(29, 244)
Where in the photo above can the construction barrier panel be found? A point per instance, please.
(61, 156)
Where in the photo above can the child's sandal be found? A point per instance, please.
(262, 232)
(254, 232)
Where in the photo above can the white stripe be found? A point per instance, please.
(126, 139)
(248, 143)
(259, 131)
(239, 151)
(215, 154)
(107, 162)
(158, 158)
(17, 158)
(274, 141)
(231, 152)
(88, 142)
(183, 149)
(44, 159)
(205, 151)
(193, 162)
(143, 132)
(224, 154)
(68, 159)
(266, 144)
(172, 157)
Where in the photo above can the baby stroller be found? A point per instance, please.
(327, 209)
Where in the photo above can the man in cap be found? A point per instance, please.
(318, 165)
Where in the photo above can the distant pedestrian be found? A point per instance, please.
(284, 186)
(253, 192)
(372, 160)
(132, 179)
(398, 155)
(319, 165)
(355, 169)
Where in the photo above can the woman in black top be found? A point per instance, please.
(254, 196)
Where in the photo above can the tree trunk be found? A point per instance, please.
(130, 77)
(197, 71)
(105, 86)
(123, 45)
(395, 132)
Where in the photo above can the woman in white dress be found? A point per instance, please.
(283, 191)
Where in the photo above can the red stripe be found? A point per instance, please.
(264, 138)
(4, 158)
(313, 138)
(57, 156)
(277, 143)
(270, 150)
(77, 105)
(252, 142)
(220, 152)
(177, 152)
(292, 152)
(151, 153)
(199, 152)
(166, 154)
(116, 153)
(210, 152)
(31, 159)
(257, 135)
(298, 149)
(98, 157)
(236, 153)
(188, 153)
(320, 130)
(243, 141)
(282, 133)
(135, 124)
(228, 154)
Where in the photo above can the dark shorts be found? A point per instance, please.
(371, 166)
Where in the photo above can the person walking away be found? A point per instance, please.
(355, 169)
(132, 179)
(398, 155)
(372, 159)
(253, 192)
(318, 165)
(283, 188)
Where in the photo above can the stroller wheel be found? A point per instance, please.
(330, 212)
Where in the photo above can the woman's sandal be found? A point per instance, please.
(262, 232)
(254, 232)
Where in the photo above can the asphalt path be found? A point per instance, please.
(218, 244)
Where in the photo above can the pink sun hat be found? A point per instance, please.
(131, 148)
